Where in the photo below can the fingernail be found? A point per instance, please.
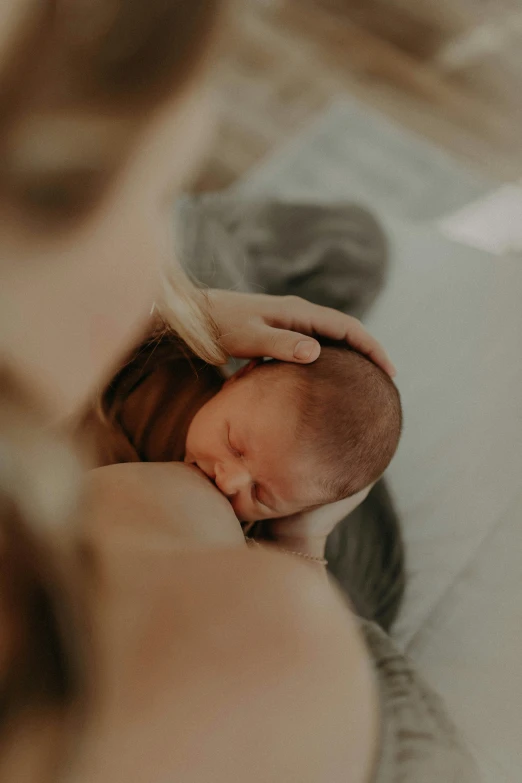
(304, 350)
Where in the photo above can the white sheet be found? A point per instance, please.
(452, 320)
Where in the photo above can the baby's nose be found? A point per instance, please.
(231, 478)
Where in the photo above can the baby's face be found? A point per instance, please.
(244, 440)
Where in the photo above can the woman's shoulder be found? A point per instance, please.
(253, 644)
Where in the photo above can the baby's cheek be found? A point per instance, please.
(194, 444)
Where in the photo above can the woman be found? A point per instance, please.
(139, 639)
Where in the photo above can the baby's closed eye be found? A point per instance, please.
(233, 450)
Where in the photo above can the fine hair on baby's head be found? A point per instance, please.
(349, 416)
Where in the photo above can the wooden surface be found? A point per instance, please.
(450, 70)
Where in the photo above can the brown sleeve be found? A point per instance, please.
(148, 406)
(104, 442)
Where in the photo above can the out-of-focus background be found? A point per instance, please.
(413, 109)
(449, 70)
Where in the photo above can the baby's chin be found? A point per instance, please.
(248, 517)
(244, 516)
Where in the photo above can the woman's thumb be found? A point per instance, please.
(290, 346)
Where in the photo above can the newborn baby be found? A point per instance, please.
(276, 438)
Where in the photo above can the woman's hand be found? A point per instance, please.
(307, 532)
(282, 327)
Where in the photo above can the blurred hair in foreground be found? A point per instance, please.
(67, 128)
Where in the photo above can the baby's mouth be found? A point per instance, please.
(201, 472)
(191, 461)
(211, 478)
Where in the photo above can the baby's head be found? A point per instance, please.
(281, 438)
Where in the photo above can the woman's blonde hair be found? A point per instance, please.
(44, 640)
(186, 310)
(100, 64)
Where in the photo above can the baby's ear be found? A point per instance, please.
(244, 371)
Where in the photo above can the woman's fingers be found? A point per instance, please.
(315, 319)
(288, 346)
(361, 340)
(258, 339)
